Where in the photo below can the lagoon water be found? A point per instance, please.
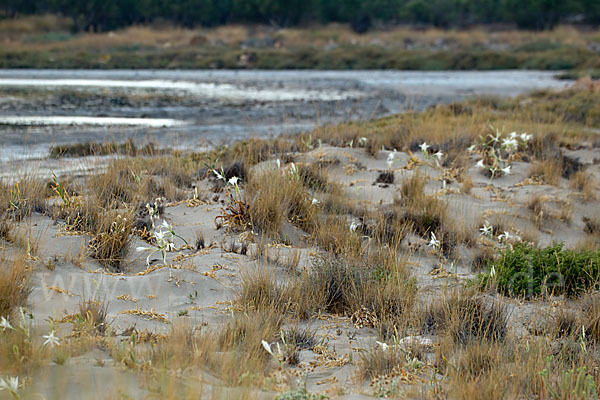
(194, 109)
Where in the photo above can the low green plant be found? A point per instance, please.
(526, 271)
(16, 200)
(59, 188)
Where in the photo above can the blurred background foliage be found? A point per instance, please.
(104, 15)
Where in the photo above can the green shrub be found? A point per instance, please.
(526, 271)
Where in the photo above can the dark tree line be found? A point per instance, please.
(101, 15)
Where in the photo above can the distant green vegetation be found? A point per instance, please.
(344, 57)
(526, 271)
(102, 15)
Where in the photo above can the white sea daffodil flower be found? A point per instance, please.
(219, 175)
(354, 226)
(434, 242)
(390, 159)
(506, 170)
(267, 347)
(526, 137)
(513, 135)
(384, 346)
(363, 140)
(480, 164)
(11, 384)
(504, 236)
(4, 324)
(486, 230)
(164, 242)
(233, 181)
(424, 147)
(315, 202)
(439, 155)
(160, 235)
(51, 339)
(150, 250)
(471, 148)
(510, 143)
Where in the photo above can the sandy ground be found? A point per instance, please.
(202, 283)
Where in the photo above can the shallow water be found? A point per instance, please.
(187, 109)
(71, 120)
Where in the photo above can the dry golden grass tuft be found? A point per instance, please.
(377, 362)
(482, 258)
(15, 285)
(235, 351)
(466, 316)
(92, 317)
(566, 211)
(474, 371)
(381, 287)
(386, 228)
(23, 197)
(19, 353)
(579, 324)
(591, 316)
(314, 177)
(81, 216)
(539, 212)
(427, 214)
(565, 323)
(116, 186)
(373, 146)
(584, 183)
(333, 234)
(110, 243)
(412, 190)
(255, 150)
(466, 184)
(377, 286)
(276, 196)
(259, 291)
(5, 228)
(142, 180)
(548, 171)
